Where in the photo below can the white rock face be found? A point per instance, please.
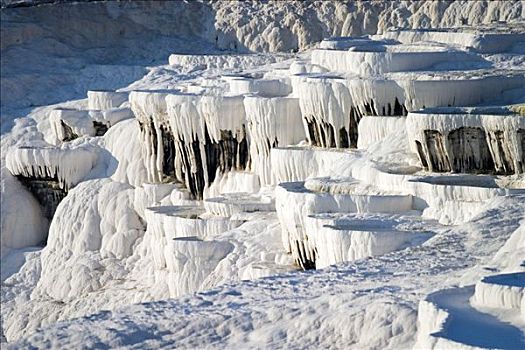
(19, 231)
(341, 237)
(126, 162)
(191, 260)
(504, 291)
(67, 165)
(95, 223)
(102, 100)
(296, 25)
(272, 122)
(374, 129)
(220, 61)
(291, 164)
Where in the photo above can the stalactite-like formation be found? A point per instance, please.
(501, 154)
(468, 143)
(50, 172)
(201, 160)
(192, 138)
(436, 151)
(469, 151)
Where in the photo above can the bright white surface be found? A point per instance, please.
(107, 250)
(371, 302)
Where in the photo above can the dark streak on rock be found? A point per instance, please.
(439, 161)
(421, 155)
(469, 151)
(68, 132)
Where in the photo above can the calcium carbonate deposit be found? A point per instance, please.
(263, 174)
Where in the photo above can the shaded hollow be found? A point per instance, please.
(303, 261)
(47, 191)
(470, 151)
(100, 128)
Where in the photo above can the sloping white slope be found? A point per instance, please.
(370, 303)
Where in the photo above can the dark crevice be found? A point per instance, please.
(343, 138)
(168, 146)
(100, 128)
(355, 117)
(399, 110)
(47, 191)
(469, 151)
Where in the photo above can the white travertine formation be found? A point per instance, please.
(68, 124)
(67, 165)
(230, 204)
(149, 108)
(214, 182)
(341, 237)
(185, 221)
(447, 320)
(482, 42)
(332, 107)
(264, 87)
(220, 61)
(294, 202)
(106, 99)
(272, 122)
(505, 291)
(495, 142)
(376, 58)
(375, 129)
(190, 260)
(191, 138)
(95, 222)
